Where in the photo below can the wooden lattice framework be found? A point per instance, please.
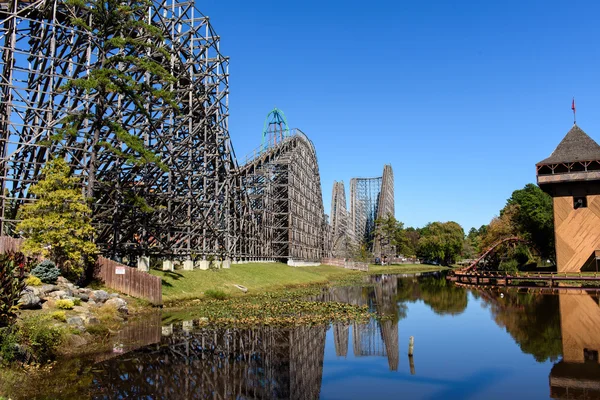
(284, 190)
(199, 201)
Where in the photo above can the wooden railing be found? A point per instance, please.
(130, 280)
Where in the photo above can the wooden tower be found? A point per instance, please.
(571, 175)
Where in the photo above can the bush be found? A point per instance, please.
(8, 346)
(47, 271)
(42, 337)
(509, 266)
(215, 294)
(76, 301)
(33, 281)
(12, 283)
(59, 316)
(64, 304)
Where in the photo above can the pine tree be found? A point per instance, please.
(58, 224)
(131, 58)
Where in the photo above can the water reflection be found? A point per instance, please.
(577, 375)
(188, 360)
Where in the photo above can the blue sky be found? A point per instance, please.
(461, 97)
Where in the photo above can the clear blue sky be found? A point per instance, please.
(461, 97)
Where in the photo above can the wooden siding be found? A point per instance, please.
(577, 232)
(133, 282)
(579, 322)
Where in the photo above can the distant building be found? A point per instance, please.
(571, 175)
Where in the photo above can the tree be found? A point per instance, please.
(409, 248)
(129, 65)
(441, 241)
(534, 218)
(390, 232)
(58, 225)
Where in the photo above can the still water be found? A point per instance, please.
(469, 343)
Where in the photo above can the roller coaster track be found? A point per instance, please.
(491, 249)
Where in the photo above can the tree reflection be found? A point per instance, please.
(532, 319)
(442, 296)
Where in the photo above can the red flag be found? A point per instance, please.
(573, 105)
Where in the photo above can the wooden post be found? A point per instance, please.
(411, 346)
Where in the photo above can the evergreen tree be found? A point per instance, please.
(58, 225)
(131, 54)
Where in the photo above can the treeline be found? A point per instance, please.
(527, 215)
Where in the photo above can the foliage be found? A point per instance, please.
(64, 304)
(534, 219)
(441, 241)
(215, 294)
(8, 345)
(46, 271)
(33, 280)
(42, 338)
(511, 265)
(410, 246)
(12, 283)
(58, 224)
(77, 301)
(390, 233)
(59, 316)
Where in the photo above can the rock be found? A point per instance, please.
(76, 322)
(113, 295)
(91, 320)
(91, 302)
(59, 294)
(61, 280)
(82, 296)
(48, 288)
(29, 301)
(80, 309)
(85, 291)
(99, 296)
(119, 304)
(48, 304)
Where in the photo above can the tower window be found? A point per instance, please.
(579, 202)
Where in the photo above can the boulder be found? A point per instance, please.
(48, 304)
(45, 289)
(119, 304)
(61, 280)
(82, 296)
(90, 319)
(113, 295)
(76, 322)
(59, 294)
(85, 290)
(29, 301)
(99, 296)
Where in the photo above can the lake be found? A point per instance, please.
(479, 343)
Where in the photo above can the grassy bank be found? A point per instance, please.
(261, 277)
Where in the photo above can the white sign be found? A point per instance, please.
(120, 270)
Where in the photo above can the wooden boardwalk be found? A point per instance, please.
(526, 279)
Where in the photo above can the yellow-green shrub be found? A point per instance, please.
(64, 304)
(33, 281)
(59, 315)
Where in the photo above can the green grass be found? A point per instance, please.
(261, 277)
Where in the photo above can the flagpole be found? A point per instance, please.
(573, 108)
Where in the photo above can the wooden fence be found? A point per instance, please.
(341, 262)
(130, 280)
(10, 244)
(114, 275)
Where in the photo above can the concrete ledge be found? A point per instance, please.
(188, 265)
(168, 265)
(143, 263)
(298, 263)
